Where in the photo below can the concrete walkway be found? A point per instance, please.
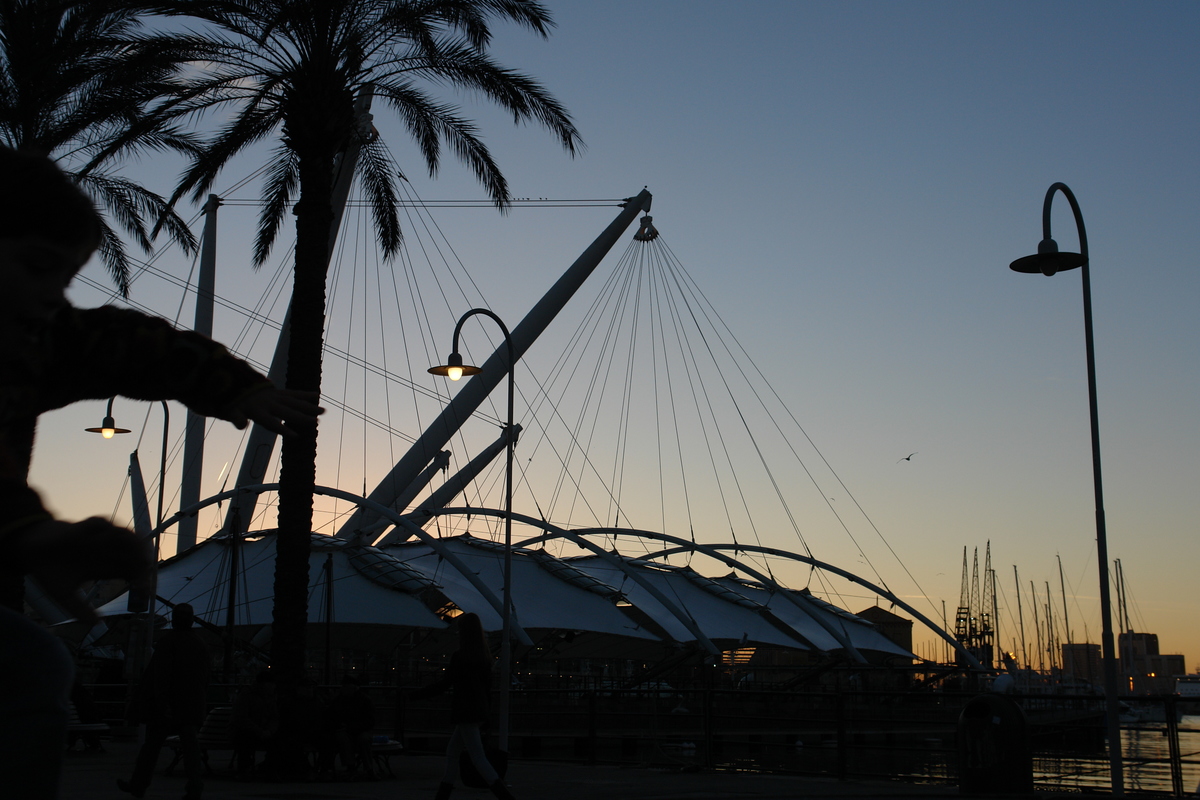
(93, 776)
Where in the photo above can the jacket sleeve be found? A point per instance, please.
(106, 351)
(22, 508)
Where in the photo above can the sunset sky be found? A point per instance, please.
(847, 183)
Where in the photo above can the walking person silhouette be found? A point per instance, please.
(469, 677)
(171, 698)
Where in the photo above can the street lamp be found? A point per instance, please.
(454, 369)
(137, 604)
(108, 428)
(1049, 261)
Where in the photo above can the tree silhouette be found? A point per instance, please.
(292, 69)
(80, 82)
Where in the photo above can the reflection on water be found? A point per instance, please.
(1147, 753)
(912, 737)
(1147, 746)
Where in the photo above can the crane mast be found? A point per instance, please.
(974, 625)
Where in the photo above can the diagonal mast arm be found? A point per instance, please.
(472, 395)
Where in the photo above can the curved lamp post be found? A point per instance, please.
(454, 369)
(108, 429)
(1049, 261)
(137, 603)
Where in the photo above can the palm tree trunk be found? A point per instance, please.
(297, 457)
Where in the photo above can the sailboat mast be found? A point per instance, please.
(996, 646)
(1021, 618)
(1122, 605)
(1037, 628)
(945, 644)
(1062, 584)
(1051, 631)
(1126, 633)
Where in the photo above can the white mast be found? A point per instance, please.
(193, 442)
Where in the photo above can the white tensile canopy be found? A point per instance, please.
(577, 607)
(201, 577)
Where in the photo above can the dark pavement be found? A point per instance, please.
(92, 776)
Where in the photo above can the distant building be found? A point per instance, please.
(1132, 647)
(1144, 670)
(897, 629)
(1083, 662)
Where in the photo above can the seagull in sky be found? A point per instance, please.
(907, 457)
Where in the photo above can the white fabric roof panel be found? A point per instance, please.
(540, 598)
(716, 617)
(200, 577)
(547, 594)
(862, 634)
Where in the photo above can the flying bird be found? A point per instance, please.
(907, 457)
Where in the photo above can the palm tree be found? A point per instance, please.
(293, 68)
(77, 83)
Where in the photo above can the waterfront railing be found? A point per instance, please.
(847, 735)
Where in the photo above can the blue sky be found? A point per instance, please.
(848, 182)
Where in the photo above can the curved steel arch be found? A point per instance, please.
(970, 659)
(415, 530)
(578, 537)
(683, 545)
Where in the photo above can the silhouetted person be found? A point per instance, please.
(352, 719)
(85, 707)
(48, 229)
(52, 355)
(255, 723)
(171, 699)
(469, 678)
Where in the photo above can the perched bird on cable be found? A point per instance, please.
(907, 457)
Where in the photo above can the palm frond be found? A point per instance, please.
(283, 179)
(112, 255)
(376, 171)
(254, 123)
(129, 205)
(78, 81)
(432, 123)
(459, 64)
